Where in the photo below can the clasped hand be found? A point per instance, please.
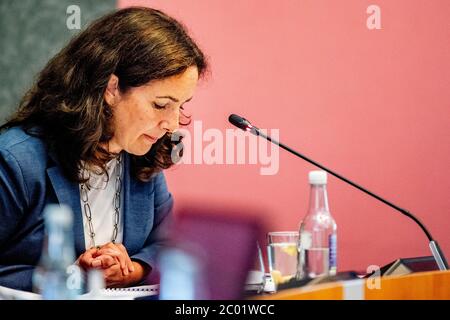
(118, 269)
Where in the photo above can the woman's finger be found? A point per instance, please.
(87, 258)
(113, 276)
(129, 262)
(112, 246)
(103, 261)
(118, 254)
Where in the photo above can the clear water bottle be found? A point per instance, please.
(181, 275)
(56, 277)
(317, 246)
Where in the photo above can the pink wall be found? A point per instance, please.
(372, 104)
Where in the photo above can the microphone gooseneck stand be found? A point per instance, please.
(438, 255)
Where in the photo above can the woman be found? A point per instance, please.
(94, 133)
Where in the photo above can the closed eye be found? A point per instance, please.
(159, 107)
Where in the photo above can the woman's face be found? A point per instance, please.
(144, 114)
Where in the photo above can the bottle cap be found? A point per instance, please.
(318, 177)
(59, 214)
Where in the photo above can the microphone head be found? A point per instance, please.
(239, 122)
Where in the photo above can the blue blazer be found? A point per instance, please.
(30, 178)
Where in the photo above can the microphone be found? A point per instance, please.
(243, 124)
(438, 255)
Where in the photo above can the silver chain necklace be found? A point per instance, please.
(116, 202)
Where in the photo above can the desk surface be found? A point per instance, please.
(416, 286)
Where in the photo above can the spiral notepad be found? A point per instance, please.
(132, 292)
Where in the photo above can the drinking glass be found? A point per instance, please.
(282, 254)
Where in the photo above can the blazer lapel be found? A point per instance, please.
(68, 193)
(137, 209)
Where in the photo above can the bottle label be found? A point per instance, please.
(333, 251)
(305, 240)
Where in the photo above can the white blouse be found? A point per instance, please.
(101, 201)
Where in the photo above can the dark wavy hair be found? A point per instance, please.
(67, 103)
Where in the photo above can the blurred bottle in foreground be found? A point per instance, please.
(318, 233)
(181, 276)
(56, 277)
